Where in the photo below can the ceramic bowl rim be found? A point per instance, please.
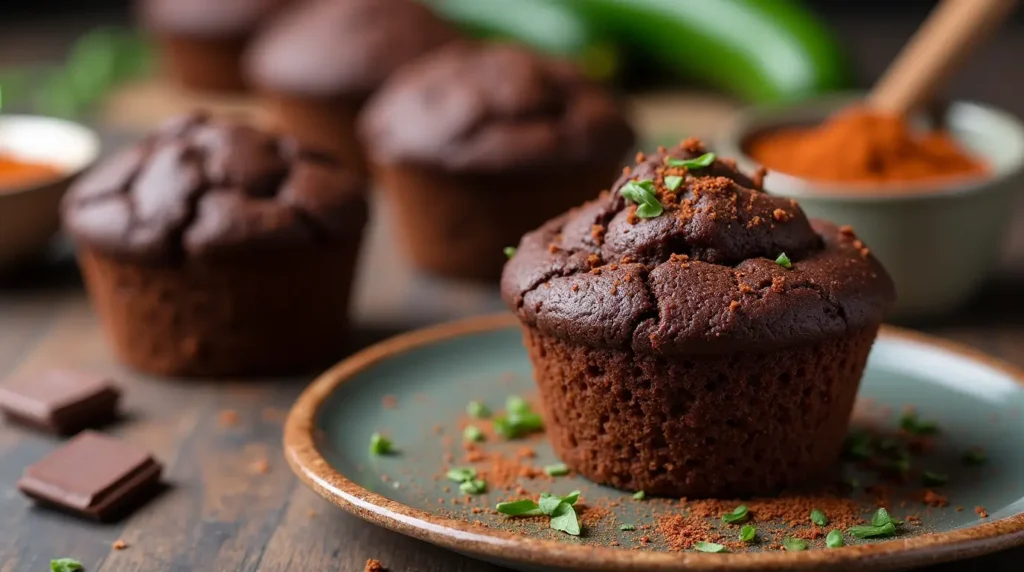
(755, 118)
(90, 139)
(313, 469)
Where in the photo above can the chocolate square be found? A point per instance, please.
(61, 401)
(94, 475)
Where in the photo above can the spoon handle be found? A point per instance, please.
(949, 34)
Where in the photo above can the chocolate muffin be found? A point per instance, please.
(708, 342)
(319, 62)
(202, 42)
(215, 249)
(476, 144)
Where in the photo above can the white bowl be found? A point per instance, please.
(29, 214)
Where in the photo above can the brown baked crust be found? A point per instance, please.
(493, 108)
(699, 278)
(206, 18)
(347, 48)
(200, 189)
(711, 425)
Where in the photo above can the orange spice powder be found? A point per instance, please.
(861, 146)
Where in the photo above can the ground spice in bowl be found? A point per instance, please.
(861, 146)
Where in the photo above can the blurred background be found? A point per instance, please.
(86, 60)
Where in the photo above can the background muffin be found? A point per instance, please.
(321, 60)
(475, 144)
(215, 249)
(675, 350)
(201, 41)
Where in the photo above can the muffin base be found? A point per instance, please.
(323, 124)
(457, 225)
(284, 313)
(204, 64)
(700, 425)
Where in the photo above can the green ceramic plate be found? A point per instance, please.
(414, 388)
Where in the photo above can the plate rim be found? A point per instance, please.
(313, 470)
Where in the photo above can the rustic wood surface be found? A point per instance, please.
(219, 512)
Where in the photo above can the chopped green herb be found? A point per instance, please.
(930, 479)
(518, 425)
(642, 193)
(524, 507)
(914, 425)
(473, 434)
(65, 565)
(627, 527)
(872, 531)
(704, 160)
(461, 474)
(509, 251)
(516, 405)
(794, 544)
(834, 539)
(738, 515)
(882, 516)
(557, 470)
(748, 533)
(478, 410)
(784, 261)
(564, 519)
(975, 457)
(519, 420)
(818, 517)
(881, 525)
(713, 547)
(473, 486)
(563, 515)
(380, 445)
(639, 495)
(857, 446)
(673, 182)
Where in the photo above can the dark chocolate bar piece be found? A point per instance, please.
(93, 475)
(61, 401)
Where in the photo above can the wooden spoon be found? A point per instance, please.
(942, 43)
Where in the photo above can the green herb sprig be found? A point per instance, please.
(560, 509)
(65, 565)
(642, 193)
(882, 525)
(835, 539)
(701, 162)
(468, 483)
(784, 261)
(794, 544)
(748, 533)
(556, 470)
(519, 419)
(712, 547)
(738, 515)
(818, 517)
(381, 445)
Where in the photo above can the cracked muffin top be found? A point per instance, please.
(686, 255)
(199, 188)
(494, 107)
(344, 48)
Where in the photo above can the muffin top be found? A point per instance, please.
(203, 189)
(696, 267)
(471, 107)
(206, 18)
(344, 48)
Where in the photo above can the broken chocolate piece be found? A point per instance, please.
(94, 475)
(61, 401)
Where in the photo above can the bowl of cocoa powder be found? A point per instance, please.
(930, 195)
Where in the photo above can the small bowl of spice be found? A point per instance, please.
(931, 195)
(39, 157)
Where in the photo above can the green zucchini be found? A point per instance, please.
(554, 27)
(760, 50)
